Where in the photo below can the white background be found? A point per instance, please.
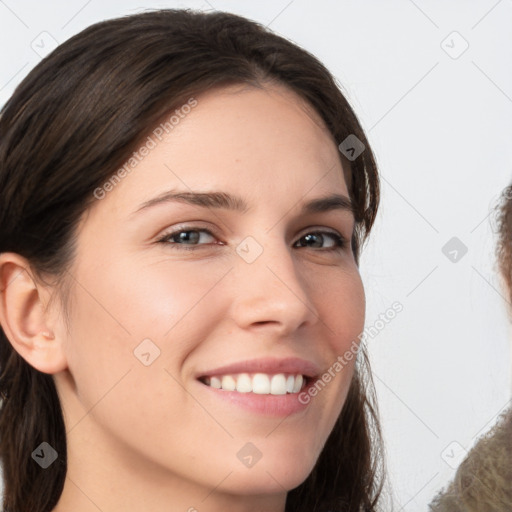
(441, 128)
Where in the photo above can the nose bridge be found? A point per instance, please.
(269, 287)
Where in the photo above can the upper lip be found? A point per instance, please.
(268, 365)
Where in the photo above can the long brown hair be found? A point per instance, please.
(70, 124)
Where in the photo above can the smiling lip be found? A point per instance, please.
(269, 405)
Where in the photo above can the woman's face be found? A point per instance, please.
(265, 288)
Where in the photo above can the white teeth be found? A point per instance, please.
(278, 385)
(228, 383)
(259, 383)
(215, 382)
(243, 383)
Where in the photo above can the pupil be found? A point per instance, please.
(310, 237)
(185, 236)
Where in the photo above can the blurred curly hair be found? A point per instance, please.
(483, 481)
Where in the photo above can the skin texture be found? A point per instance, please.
(151, 437)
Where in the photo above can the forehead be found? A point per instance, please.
(256, 142)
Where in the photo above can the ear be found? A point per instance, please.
(23, 316)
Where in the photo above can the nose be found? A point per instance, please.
(270, 292)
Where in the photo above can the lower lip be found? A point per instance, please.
(269, 405)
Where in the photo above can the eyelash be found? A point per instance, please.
(340, 241)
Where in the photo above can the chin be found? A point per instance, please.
(272, 476)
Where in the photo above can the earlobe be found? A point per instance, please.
(24, 319)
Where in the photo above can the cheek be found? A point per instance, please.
(166, 293)
(123, 307)
(341, 304)
(125, 303)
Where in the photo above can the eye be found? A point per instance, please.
(184, 237)
(318, 237)
(189, 238)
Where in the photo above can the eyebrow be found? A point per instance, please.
(223, 200)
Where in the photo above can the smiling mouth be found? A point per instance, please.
(258, 383)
